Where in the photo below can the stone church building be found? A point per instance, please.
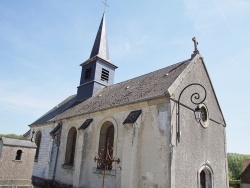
(162, 129)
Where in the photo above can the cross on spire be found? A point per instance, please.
(105, 4)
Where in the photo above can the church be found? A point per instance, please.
(164, 129)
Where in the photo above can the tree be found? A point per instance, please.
(12, 136)
(235, 164)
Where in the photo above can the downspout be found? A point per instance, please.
(54, 174)
(225, 153)
(172, 104)
(57, 152)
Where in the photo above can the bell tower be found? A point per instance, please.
(97, 72)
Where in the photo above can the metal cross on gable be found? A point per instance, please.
(105, 4)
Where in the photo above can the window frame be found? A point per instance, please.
(105, 75)
(100, 124)
(18, 155)
(204, 123)
(87, 74)
(208, 176)
(69, 159)
(107, 133)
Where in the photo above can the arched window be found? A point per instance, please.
(202, 179)
(38, 142)
(106, 144)
(205, 179)
(70, 148)
(19, 155)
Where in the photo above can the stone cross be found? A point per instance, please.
(195, 44)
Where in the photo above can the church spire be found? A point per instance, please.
(97, 72)
(100, 47)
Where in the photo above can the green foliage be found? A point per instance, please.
(12, 136)
(234, 183)
(235, 164)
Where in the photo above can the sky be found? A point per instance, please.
(43, 42)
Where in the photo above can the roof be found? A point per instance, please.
(245, 175)
(59, 125)
(18, 143)
(27, 133)
(246, 167)
(58, 109)
(245, 164)
(85, 124)
(148, 86)
(100, 47)
(132, 117)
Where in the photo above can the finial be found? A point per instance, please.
(195, 45)
(105, 4)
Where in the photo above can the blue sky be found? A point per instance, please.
(42, 44)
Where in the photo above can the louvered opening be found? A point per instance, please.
(87, 73)
(105, 75)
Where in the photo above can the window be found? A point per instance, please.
(70, 148)
(105, 75)
(106, 144)
(18, 155)
(202, 179)
(38, 142)
(87, 73)
(204, 116)
(205, 177)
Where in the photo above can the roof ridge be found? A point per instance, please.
(178, 64)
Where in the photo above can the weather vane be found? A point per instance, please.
(105, 4)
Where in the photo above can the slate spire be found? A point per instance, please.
(100, 47)
(97, 72)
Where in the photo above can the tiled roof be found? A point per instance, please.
(64, 105)
(245, 175)
(141, 88)
(245, 164)
(17, 142)
(27, 133)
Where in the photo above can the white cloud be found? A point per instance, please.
(207, 16)
(27, 98)
(127, 46)
(141, 40)
(23, 103)
(132, 45)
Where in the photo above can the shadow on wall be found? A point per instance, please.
(39, 183)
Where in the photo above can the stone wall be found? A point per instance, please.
(199, 146)
(16, 172)
(143, 148)
(42, 164)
